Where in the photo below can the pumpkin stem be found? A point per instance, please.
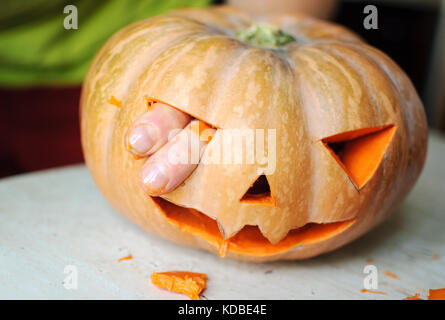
(264, 35)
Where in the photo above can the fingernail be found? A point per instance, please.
(142, 138)
(155, 177)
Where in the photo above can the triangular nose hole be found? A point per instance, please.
(360, 152)
(259, 192)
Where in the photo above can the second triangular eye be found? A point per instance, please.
(359, 152)
(259, 192)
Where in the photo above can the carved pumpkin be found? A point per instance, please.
(350, 130)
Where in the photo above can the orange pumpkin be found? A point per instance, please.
(350, 129)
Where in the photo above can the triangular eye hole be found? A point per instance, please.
(359, 152)
(259, 193)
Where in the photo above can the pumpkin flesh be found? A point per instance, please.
(189, 283)
(249, 240)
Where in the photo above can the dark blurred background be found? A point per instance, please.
(40, 83)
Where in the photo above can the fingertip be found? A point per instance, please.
(141, 139)
(154, 178)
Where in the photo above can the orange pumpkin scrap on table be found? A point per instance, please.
(351, 133)
(189, 283)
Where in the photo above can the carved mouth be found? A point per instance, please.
(248, 240)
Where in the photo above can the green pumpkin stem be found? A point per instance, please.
(264, 35)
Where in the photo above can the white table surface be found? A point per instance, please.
(55, 218)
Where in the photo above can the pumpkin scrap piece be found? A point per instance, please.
(415, 297)
(129, 257)
(372, 291)
(436, 294)
(391, 275)
(115, 101)
(189, 283)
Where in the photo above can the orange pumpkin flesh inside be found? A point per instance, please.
(359, 152)
(189, 283)
(249, 240)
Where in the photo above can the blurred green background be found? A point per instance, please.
(35, 49)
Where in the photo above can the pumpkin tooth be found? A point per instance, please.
(221, 229)
(223, 247)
